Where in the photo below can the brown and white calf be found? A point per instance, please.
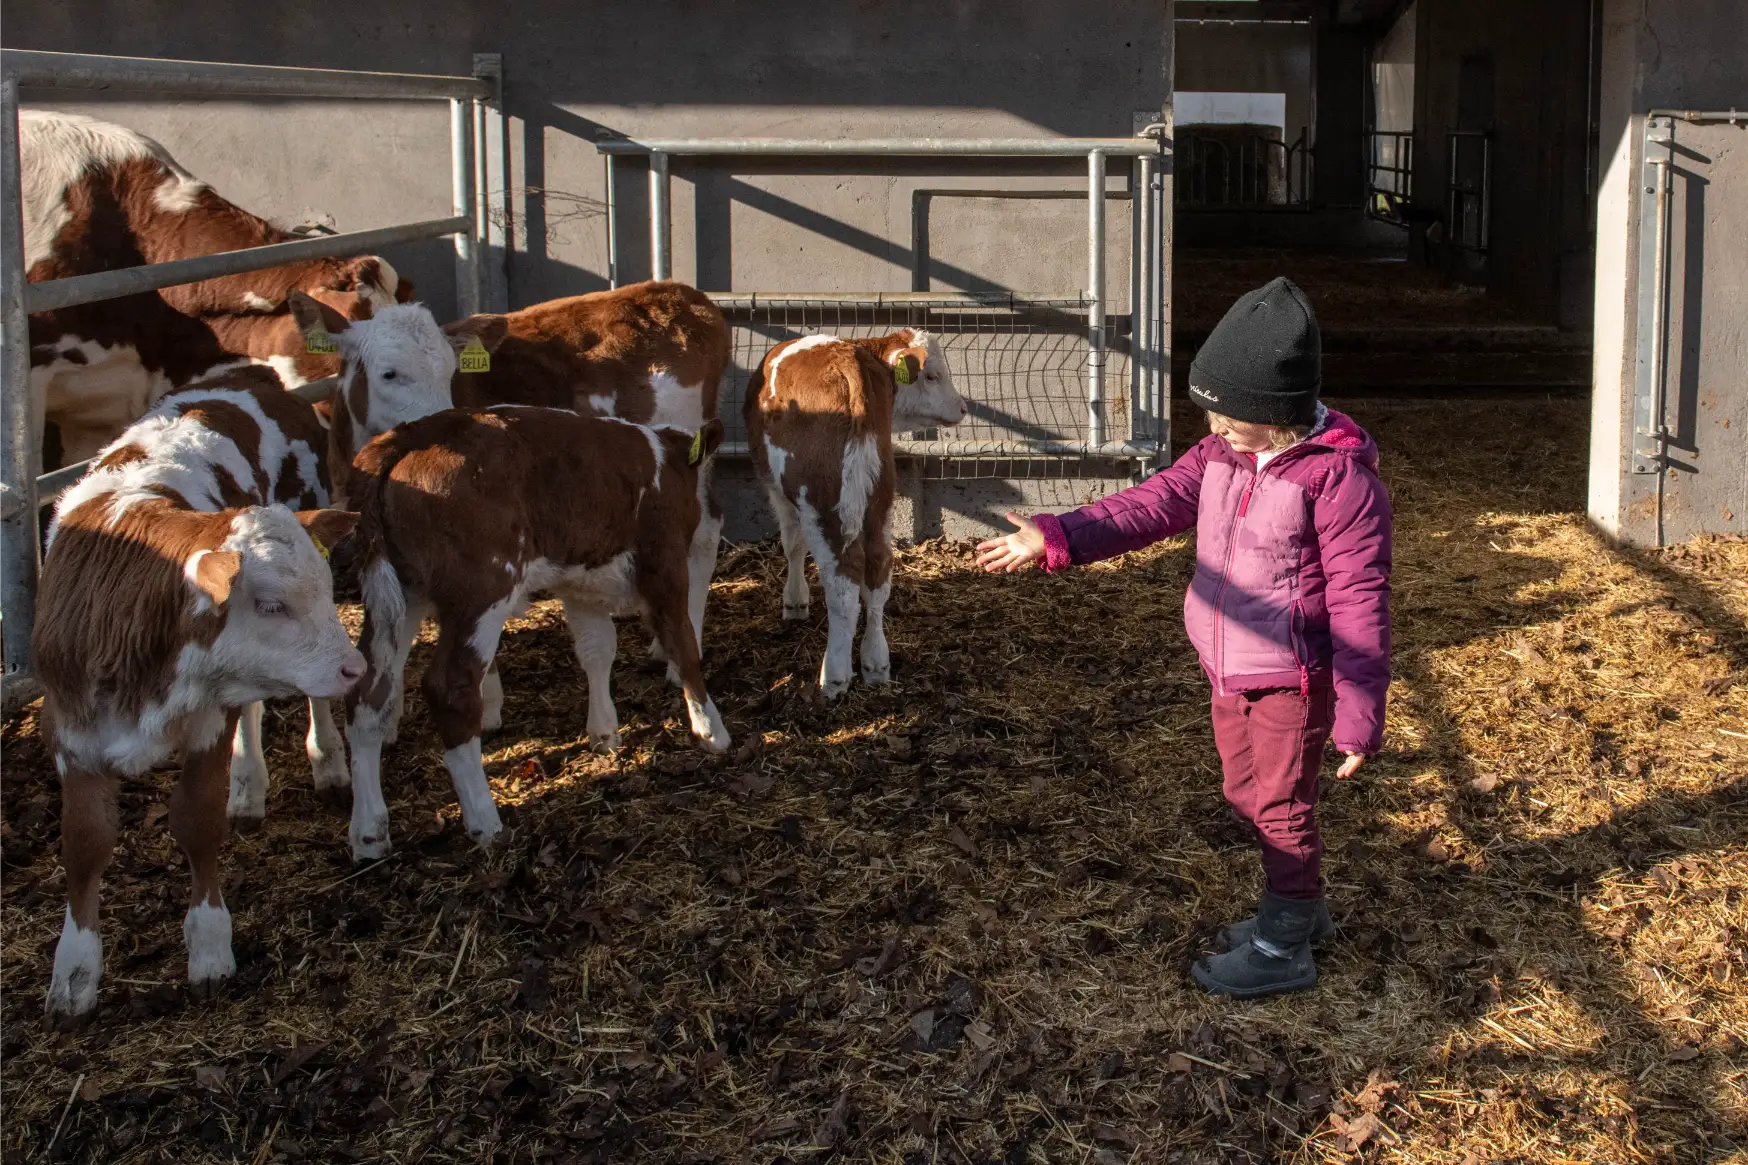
(651, 353)
(237, 439)
(97, 197)
(820, 414)
(468, 514)
(176, 592)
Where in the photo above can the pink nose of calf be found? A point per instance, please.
(353, 669)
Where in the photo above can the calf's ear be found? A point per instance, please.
(488, 329)
(213, 573)
(907, 364)
(711, 436)
(312, 315)
(327, 527)
(325, 412)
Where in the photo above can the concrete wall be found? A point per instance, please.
(1537, 110)
(644, 69)
(1660, 54)
(971, 68)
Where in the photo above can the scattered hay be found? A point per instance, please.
(952, 920)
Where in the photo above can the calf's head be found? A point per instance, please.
(926, 398)
(269, 580)
(395, 366)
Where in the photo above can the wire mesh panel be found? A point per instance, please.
(1020, 364)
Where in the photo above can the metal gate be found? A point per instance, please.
(22, 492)
(1053, 379)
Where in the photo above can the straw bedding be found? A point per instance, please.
(952, 920)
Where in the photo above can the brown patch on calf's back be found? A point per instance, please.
(93, 638)
(560, 353)
(126, 455)
(239, 428)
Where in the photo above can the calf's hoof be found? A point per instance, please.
(371, 846)
(71, 1002)
(329, 771)
(603, 743)
(877, 675)
(484, 835)
(243, 824)
(832, 689)
(795, 613)
(335, 796)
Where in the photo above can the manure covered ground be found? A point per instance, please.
(951, 921)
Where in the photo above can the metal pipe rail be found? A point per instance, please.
(1016, 449)
(22, 492)
(86, 71)
(1145, 149)
(102, 285)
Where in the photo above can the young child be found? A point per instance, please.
(1289, 608)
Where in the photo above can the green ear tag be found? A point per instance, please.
(318, 340)
(697, 453)
(320, 549)
(901, 371)
(475, 358)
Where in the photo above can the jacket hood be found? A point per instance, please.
(1340, 434)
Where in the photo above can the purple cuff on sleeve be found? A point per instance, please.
(1055, 543)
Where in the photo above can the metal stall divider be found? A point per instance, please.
(22, 492)
(1145, 441)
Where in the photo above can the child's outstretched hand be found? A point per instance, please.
(1014, 551)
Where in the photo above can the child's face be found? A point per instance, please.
(1243, 436)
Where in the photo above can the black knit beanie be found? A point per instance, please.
(1262, 363)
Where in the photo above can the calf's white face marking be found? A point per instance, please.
(282, 635)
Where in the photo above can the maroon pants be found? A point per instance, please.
(1271, 748)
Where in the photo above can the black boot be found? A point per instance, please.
(1275, 960)
(1237, 934)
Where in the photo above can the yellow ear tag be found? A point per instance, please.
(475, 358)
(697, 453)
(318, 340)
(901, 370)
(320, 549)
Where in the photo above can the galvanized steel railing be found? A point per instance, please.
(21, 491)
(1146, 151)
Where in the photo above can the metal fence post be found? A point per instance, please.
(1142, 427)
(462, 184)
(610, 180)
(1095, 309)
(19, 452)
(492, 195)
(1159, 349)
(660, 218)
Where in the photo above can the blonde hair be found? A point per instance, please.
(1280, 436)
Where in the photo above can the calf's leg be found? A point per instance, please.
(876, 587)
(248, 802)
(491, 694)
(391, 623)
(597, 643)
(326, 750)
(465, 646)
(197, 822)
(796, 600)
(665, 597)
(88, 833)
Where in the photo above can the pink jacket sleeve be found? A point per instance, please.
(1353, 533)
(1158, 508)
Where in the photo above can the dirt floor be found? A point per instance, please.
(952, 920)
